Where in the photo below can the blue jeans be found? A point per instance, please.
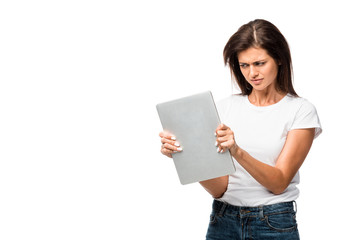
(276, 221)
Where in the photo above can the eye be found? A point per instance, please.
(243, 65)
(259, 63)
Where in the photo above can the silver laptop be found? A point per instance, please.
(193, 120)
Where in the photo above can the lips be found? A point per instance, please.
(257, 81)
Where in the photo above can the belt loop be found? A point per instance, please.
(222, 210)
(261, 212)
(295, 206)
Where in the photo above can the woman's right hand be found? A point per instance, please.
(169, 145)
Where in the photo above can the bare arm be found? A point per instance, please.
(275, 178)
(216, 187)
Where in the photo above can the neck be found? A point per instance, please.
(265, 98)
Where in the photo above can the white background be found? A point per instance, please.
(79, 147)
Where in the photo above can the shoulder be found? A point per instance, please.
(300, 104)
(305, 114)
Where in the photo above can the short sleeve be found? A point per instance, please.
(307, 117)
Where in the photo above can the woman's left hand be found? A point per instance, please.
(225, 139)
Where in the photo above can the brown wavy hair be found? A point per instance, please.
(260, 34)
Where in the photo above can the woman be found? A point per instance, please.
(268, 130)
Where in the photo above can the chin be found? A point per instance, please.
(261, 87)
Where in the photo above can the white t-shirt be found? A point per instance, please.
(262, 131)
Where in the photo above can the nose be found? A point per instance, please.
(253, 71)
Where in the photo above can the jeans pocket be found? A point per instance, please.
(281, 222)
(212, 218)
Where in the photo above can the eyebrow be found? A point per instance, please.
(263, 60)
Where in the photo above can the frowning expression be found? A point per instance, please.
(259, 68)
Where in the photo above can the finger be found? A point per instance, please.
(221, 149)
(223, 139)
(219, 144)
(166, 152)
(224, 142)
(225, 145)
(165, 140)
(167, 135)
(171, 147)
(222, 126)
(228, 145)
(221, 133)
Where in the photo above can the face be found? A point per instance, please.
(258, 68)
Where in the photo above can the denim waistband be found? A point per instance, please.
(224, 208)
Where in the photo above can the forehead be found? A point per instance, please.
(252, 55)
